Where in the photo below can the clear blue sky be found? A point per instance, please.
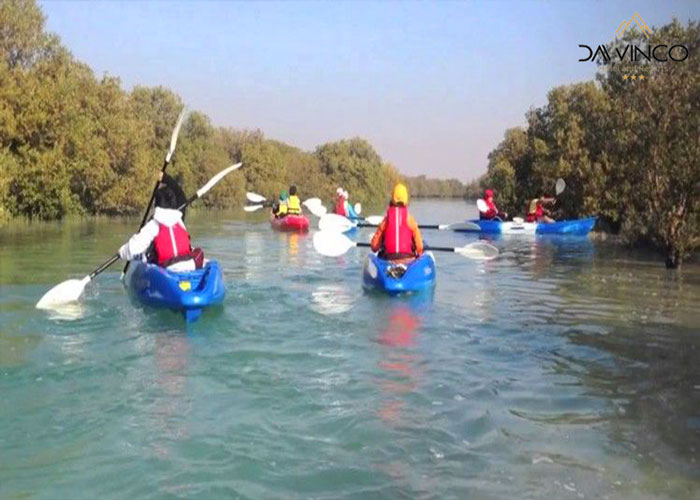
(431, 85)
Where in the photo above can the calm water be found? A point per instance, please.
(565, 368)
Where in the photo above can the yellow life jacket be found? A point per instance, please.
(283, 209)
(293, 205)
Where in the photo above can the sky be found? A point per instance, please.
(433, 86)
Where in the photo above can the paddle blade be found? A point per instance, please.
(481, 205)
(358, 208)
(375, 220)
(252, 208)
(478, 251)
(560, 186)
(316, 208)
(460, 226)
(335, 223)
(312, 201)
(214, 180)
(332, 244)
(176, 132)
(63, 293)
(254, 197)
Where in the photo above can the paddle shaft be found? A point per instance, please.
(427, 247)
(420, 226)
(148, 209)
(105, 265)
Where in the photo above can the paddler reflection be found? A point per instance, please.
(293, 244)
(171, 406)
(398, 363)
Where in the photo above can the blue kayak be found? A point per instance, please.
(419, 274)
(188, 292)
(574, 227)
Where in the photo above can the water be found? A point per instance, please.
(563, 369)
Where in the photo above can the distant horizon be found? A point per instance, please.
(431, 86)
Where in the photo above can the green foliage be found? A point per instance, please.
(73, 144)
(424, 187)
(356, 166)
(628, 150)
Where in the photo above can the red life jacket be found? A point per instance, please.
(340, 207)
(171, 242)
(398, 236)
(492, 210)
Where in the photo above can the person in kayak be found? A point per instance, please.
(491, 212)
(536, 212)
(164, 239)
(293, 203)
(342, 205)
(279, 208)
(398, 238)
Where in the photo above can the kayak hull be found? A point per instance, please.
(419, 276)
(188, 292)
(574, 227)
(299, 223)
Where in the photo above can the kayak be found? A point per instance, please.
(188, 292)
(290, 223)
(419, 275)
(574, 227)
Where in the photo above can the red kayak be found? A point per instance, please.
(290, 223)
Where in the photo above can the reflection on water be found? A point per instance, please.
(397, 337)
(564, 368)
(332, 299)
(67, 312)
(171, 408)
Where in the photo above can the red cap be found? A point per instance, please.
(488, 193)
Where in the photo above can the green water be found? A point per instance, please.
(563, 369)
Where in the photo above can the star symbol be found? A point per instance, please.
(634, 77)
(641, 77)
(624, 77)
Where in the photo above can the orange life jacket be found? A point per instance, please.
(398, 236)
(171, 242)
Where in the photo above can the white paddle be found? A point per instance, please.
(333, 244)
(340, 224)
(168, 156)
(315, 206)
(560, 186)
(71, 290)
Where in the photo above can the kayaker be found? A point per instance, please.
(279, 208)
(293, 203)
(342, 205)
(536, 212)
(165, 234)
(492, 212)
(398, 237)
